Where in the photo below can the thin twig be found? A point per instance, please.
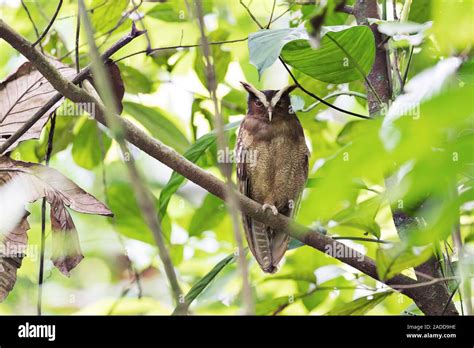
(280, 15)
(32, 22)
(202, 178)
(362, 239)
(332, 95)
(321, 100)
(122, 19)
(142, 195)
(294, 78)
(47, 157)
(78, 31)
(271, 15)
(153, 50)
(85, 73)
(226, 169)
(422, 284)
(49, 25)
(405, 74)
(251, 14)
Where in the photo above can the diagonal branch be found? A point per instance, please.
(207, 181)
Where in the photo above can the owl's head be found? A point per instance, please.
(268, 102)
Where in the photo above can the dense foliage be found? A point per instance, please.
(417, 156)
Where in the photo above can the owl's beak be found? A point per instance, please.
(270, 112)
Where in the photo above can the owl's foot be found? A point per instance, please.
(271, 207)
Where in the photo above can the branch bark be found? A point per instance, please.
(207, 181)
(436, 300)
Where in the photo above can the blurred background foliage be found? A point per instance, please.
(426, 151)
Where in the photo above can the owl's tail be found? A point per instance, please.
(266, 244)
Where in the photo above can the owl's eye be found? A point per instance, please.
(258, 103)
(279, 103)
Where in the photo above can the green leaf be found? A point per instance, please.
(208, 215)
(135, 81)
(192, 154)
(360, 306)
(204, 282)
(452, 25)
(86, 148)
(343, 56)
(361, 215)
(272, 305)
(265, 45)
(350, 131)
(396, 258)
(346, 53)
(106, 14)
(167, 12)
(420, 11)
(158, 124)
(128, 218)
(220, 58)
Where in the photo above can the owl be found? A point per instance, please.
(272, 168)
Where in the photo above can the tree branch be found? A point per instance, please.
(207, 181)
(157, 49)
(436, 297)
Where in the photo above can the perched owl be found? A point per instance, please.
(272, 168)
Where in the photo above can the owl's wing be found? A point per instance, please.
(304, 172)
(266, 249)
(243, 180)
(280, 240)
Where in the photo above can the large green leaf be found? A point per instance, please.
(360, 306)
(135, 81)
(343, 56)
(220, 58)
(203, 283)
(393, 259)
(86, 148)
(361, 216)
(167, 13)
(345, 53)
(105, 15)
(207, 216)
(192, 154)
(265, 45)
(158, 124)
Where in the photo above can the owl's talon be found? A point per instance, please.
(271, 207)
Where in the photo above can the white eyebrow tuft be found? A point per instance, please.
(262, 97)
(279, 94)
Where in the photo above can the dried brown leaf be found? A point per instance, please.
(23, 182)
(66, 247)
(12, 251)
(21, 95)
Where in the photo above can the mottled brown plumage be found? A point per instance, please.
(272, 168)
